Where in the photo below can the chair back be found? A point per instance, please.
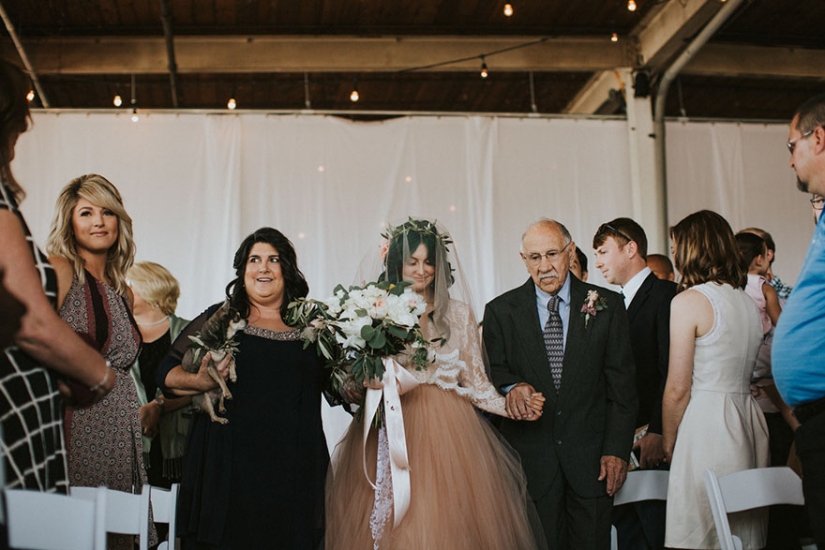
(746, 490)
(639, 485)
(164, 510)
(49, 521)
(126, 513)
(643, 485)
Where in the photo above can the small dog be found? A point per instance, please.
(216, 338)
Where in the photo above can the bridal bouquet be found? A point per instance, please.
(355, 328)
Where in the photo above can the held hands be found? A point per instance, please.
(651, 451)
(524, 403)
(614, 469)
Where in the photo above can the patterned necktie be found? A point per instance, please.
(554, 340)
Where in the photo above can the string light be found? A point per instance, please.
(508, 10)
(614, 37)
(631, 5)
(354, 96)
(231, 104)
(135, 116)
(484, 72)
(30, 96)
(118, 101)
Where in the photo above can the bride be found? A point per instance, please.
(468, 490)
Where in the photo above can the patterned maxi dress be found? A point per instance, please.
(31, 409)
(105, 440)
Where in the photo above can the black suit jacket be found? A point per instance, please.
(594, 412)
(649, 315)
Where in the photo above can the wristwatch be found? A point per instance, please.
(161, 402)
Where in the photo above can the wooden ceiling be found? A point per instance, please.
(413, 56)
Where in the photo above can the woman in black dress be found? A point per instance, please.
(257, 481)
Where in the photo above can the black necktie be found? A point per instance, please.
(554, 340)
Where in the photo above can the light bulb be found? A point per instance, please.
(231, 104)
(354, 97)
(118, 101)
(484, 72)
(30, 95)
(508, 10)
(614, 38)
(135, 116)
(631, 5)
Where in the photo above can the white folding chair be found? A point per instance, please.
(49, 521)
(126, 513)
(639, 485)
(746, 490)
(164, 510)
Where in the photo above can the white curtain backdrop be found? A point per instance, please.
(196, 184)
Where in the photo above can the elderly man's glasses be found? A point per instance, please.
(817, 202)
(607, 228)
(534, 258)
(792, 142)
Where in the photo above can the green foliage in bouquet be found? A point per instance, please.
(358, 326)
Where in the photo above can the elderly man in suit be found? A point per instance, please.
(569, 340)
(621, 256)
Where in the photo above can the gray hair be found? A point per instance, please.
(547, 221)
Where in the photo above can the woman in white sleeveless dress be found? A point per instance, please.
(710, 420)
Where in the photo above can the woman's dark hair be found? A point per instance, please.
(398, 249)
(14, 119)
(295, 284)
(395, 253)
(750, 246)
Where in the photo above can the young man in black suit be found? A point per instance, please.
(567, 339)
(621, 256)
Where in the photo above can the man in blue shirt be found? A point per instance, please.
(799, 340)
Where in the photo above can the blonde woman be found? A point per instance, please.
(91, 247)
(165, 422)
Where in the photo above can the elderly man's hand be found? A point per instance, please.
(614, 469)
(517, 402)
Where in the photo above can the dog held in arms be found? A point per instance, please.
(215, 338)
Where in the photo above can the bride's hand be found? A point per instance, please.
(351, 391)
(374, 384)
(536, 404)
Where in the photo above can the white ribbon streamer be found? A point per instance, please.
(397, 381)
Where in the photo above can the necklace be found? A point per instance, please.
(153, 323)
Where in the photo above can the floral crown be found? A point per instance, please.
(423, 227)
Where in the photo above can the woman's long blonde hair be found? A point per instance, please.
(100, 192)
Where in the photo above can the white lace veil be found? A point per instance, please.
(393, 249)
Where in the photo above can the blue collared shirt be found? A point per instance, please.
(542, 298)
(798, 353)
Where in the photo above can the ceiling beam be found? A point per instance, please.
(594, 93)
(777, 62)
(242, 54)
(221, 54)
(666, 31)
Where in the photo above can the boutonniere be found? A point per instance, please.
(592, 305)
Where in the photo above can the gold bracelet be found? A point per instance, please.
(102, 383)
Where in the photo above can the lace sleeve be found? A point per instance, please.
(474, 376)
